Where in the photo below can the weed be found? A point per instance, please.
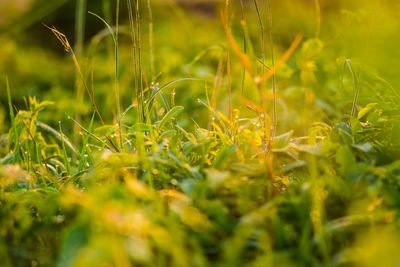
(193, 170)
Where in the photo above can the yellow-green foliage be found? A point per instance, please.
(155, 144)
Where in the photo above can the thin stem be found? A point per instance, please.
(228, 69)
(36, 146)
(80, 16)
(243, 23)
(133, 35)
(139, 57)
(117, 93)
(261, 86)
(151, 39)
(228, 66)
(80, 25)
(67, 47)
(275, 119)
(262, 42)
(356, 87)
(217, 84)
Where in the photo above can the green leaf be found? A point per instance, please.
(364, 147)
(65, 155)
(215, 177)
(171, 114)
(342, 134)
(222, 155)
(43, 105)
(314, 150)
(149, 102)
(347, 138)
(108, 129)
(283, 140)
(294, 165)
(366, 110)
(202, 134)
(11, 110)
(346, 159)
(168, 133)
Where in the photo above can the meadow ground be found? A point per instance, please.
(199, 133)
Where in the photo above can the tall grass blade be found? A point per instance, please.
(65, 155)
(117, 93)
(150, 14)
(62, 139)
(9, 100)
(228, 68)
(85, 147)
(135, 68)
(356, 84)
(275, 115)
(80, 16)
(13, 129)
(154, 94)
(243, 23)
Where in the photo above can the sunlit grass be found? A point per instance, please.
(251, 133)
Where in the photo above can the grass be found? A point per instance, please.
(207, 165)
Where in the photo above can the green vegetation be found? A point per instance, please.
(236, 133)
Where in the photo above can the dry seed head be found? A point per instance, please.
(61, 37)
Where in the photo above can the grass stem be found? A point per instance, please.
(80, 16)
(117, 93)
(275, 115)
(243, 23)
(150, 13)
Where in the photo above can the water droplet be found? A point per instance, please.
(173, 93)
(198, 100)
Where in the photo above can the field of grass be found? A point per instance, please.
(199, 133)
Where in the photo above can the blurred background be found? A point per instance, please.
(187, 40)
